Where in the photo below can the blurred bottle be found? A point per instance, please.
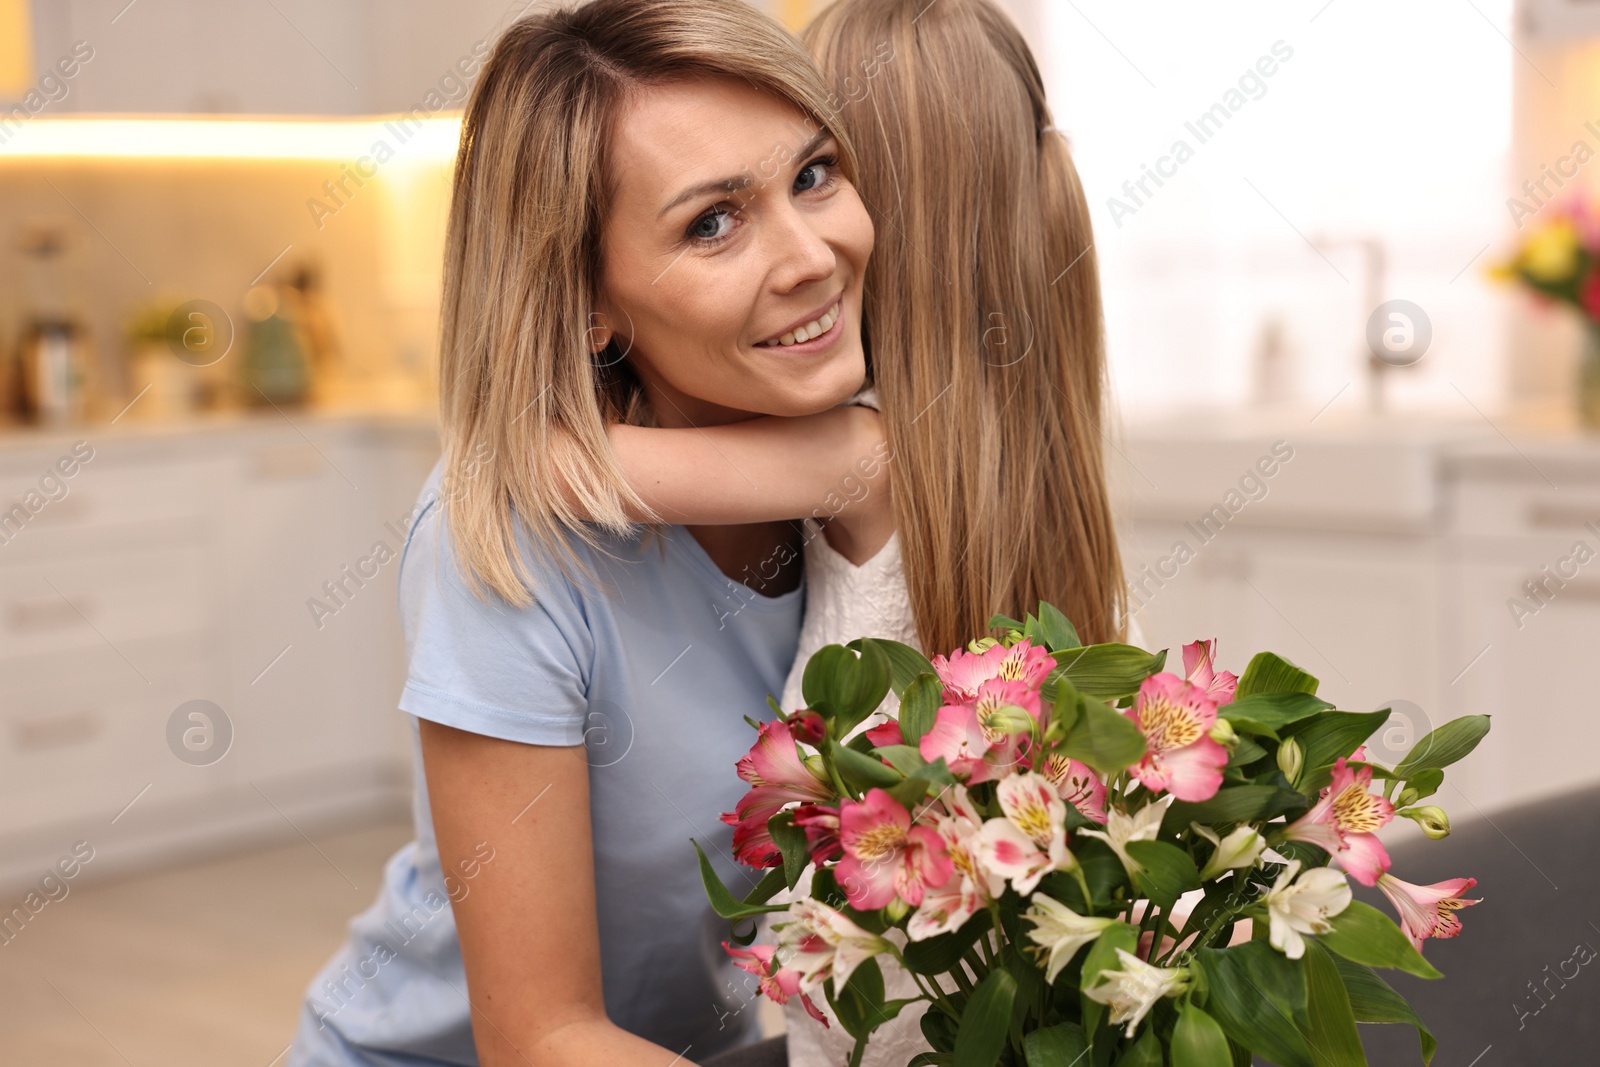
(276, 369)
(52, 363)
(306, 306)
(1274, 364)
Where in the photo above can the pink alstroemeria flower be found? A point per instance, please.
(822, 831)
(1180, 756)
(965, 671)
(971, 885)
(778, 777)
(778, 984)
(1428, 910)
(1031, 841)
(1198, 660)
(1078, 785)
(1344, 821)
(973, 738)
(885, 856)
(886, 734)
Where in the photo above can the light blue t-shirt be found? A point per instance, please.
(652, 668)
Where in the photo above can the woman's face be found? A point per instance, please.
(732, 229)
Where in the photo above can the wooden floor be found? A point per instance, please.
(198, 966)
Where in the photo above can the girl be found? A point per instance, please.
(985, 341)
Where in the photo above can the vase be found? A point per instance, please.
(1589, 378)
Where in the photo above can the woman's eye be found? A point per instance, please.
(814, 176)
(710, 226)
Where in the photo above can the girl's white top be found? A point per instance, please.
(844, 602)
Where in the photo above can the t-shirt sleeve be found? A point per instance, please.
(486, 666)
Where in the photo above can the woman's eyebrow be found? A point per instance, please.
(743, 181)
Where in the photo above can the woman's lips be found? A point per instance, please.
(832, 324)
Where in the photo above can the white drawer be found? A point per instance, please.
(36, 503)
(86, 601)
(86, 734)
(1493, 508)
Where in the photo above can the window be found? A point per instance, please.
(1303, 123)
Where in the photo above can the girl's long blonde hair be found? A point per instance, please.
(982, 316)
(523, 398)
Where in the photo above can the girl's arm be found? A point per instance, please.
(529, 935)
(832, 466)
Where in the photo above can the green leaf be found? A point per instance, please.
(1332, 1037)
(905, 662)
(1329, 736)
(1004, 622)
(902, 758)
(791, 842)
(1058, 632)
(861, 770)
(1245, 752)
(1102, 869)
(723, 902)
(844, 686)
(1266, 713)
(1109, 672)
(941, 953)
(919, 707)
(1168, 871)
(1259, 997)
(1425, 783)
(1102, 956)
(986, 1021)
(1366, 935)
(1145, 1052)
(1372, 1000)
(1445, 745)
(1103, 738)
(857, 1004)
(1271, 673)
(1236, 803)
(1061, 1045)
(1197, 1040)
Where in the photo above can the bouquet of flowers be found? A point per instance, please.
(1019, 835)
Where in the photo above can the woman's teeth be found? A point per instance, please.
(815, 328)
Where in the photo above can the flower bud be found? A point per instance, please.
(896, 910)
(1223, 733)
(808, 727)
(1009, 719)
(979, 645)
(1241, 848)
(1434, 822)
(1408, 795)
(815, 765)
(1290, 760)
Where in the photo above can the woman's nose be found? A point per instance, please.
(802, 251)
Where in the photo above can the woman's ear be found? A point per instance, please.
(599, 332)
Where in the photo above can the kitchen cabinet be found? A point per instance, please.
(1387, 559)
(288, 57)
(1524, 611)
(177, 567)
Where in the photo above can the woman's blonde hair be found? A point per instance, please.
(524, 399)
(982, 316)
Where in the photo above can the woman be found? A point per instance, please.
(591, 277)
(984, 327)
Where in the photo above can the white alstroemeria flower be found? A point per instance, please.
(1304, 906)
(1060, 931)
(1142, 825)
(1241, 848)
(1132, 991)
(820, 943)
